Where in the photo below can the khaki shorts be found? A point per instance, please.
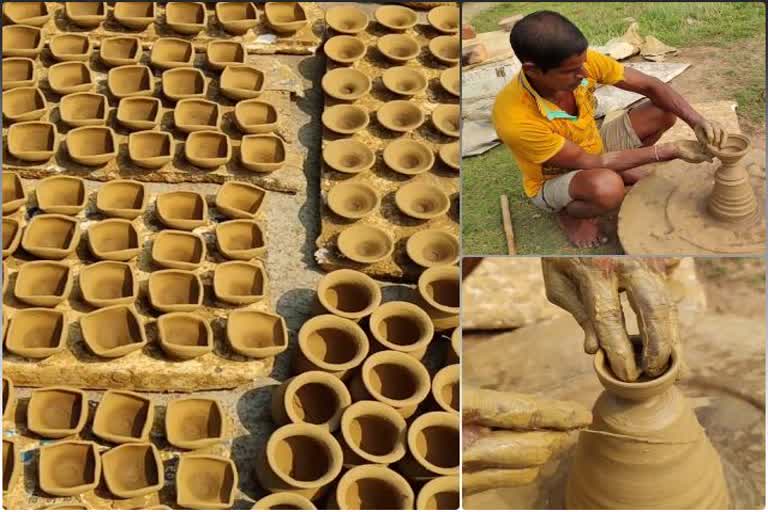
(617, 134)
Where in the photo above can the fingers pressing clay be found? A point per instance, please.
(496, 478)
(562, 292)
(515, 450)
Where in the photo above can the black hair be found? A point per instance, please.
(546, 39)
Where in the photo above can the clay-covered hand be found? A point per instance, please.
(588, 288)
(507, 437)
(691, 151)
(710, 132)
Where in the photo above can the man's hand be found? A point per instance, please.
(691, 151)
(710, 132)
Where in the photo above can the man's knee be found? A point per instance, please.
(605, 188)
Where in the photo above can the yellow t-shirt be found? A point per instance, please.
(535, 129)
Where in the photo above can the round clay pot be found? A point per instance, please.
(11, 236)
(454, 353)
(345, 119)
(353, 200)
(433, 446)
(14, 194)
(346, 19)
(36, 333)
(365, 244)
(400, 116)
(22, 41)
(57, 412)
(69, 77)
(241, 239)
(24, 104)
(349, 156)
(441, 493)
(446, 388)
(398, 48)
(449, 154)
(422, 200)
(440, 295)
(92, 145)
(206, 482)
(182, 209)
(240, 282)
(223, 53)
(175, 290)
(172, 52)
(186, 17)
(133, 469)
(150, 149)
(402, 326)
(208, 149)
(409, 157)
(331, 344)
(71, 47)
(113, 331)
(641, 390)
(348, 293)
(346, 84)
(433, 247)
(445, 18)
(43, 283)
(121, 51)
(35, 14)
(18, 72)
(114, 239)
(124, 417)
(258, 334)
(139, 112)
(450, 81)
(446, 120)
(51, 236)
(179, 83)
(446, 49)
(285, 17)
(195, 114)
(262, 153)
(256, 116)
(236, 17)
(86, 14)
(33, 141)
(370, 487)
(396, 17)
(314, 397)
(344, 49)
(109, 283)
(240, 200)
(84, 109)
(184, 335)
(404, 80)
(11, 463)
(125, 199)
(373, 433)
(181, 250)
(242, 82)
(134, 15)
(193, 423)
(69, 468)
(283, 501)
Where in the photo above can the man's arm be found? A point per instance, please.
(571, 156)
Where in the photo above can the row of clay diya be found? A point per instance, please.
(398, 48)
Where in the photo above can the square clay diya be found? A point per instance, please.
(92, 145)
(61, 194)
(123, 417)
(35, 14)
(172, 52)
(222, 53)
(194, 114)
(219, 475)
(109, 283)
(184, 335)
(69, 77)
(285, 17)
(57, 412)
(43, 283)
(241, 82)
(262, 153)
(256, 116)
(134, 15)
(192, 423)
(150, 149)
(69, 468)
(175, 290)
(180, 83)
(240, 239)
(208, 149)
(133, 80)
(33, 141)
(22, 41)
(113, 331)
(240, 282)
(51, 236)
(14, 194)
(11, 464)
(240, 200)
(236, 17)
(182, 209)
(178, 249)
(11, 236)
(133, 469)
(71, 47)
(24, 104)
(86, 14)
(126, 199)
(36, 333)
(114, 239)
(120, 50)
(139, 112)
(84, 109)
(19, 72)
(186, 17)
(255, 333)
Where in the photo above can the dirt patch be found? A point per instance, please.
(734, 285)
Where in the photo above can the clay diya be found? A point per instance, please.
(236, 17)
(349, 156)
(449, 154)
(18, 72)
(139, 112)
(400, 116)
(35, 14)
(441, 493)
(365, 244)
(114, 239)
(348, 293)
(346, 84)
(11, 464)
(24, 104)
(433, 446)
(84, 109)
(151, 149)
(446, 49)
(9, 399)
(61, 194)
(195, 114)
(444, 18)
(134, 15)
(22, 41)
(182, 209)
(193, 423)
(372, 433)
(344, 49)
(422, 200)
(222, 53)
(254, 333)
(187, 18)
(178, 249)
(75, 505)
(71, 47)
(240, 239)
(11, 236)
(36, 333)
(445, 118)
(396, 17)
(353, 200)
(51, 236)
(14, 194)
(345, 119)
(312, 397)
(240, 200)
(256, 116)
(175, 290)
(401, 326)
(133, 469)
(404, 80)
(43, 283)
(346, 19)
(283, 501)
(409, 157)
(439, 293)
(108, 283)
(57, 412)
(124, 417)
(433, 247)
(69, 468)
(206, 482)
(125, 199)
(331, 344)
(450, 81)
(86, 14)
(68, 77)
(453, 355)
(371, 487)
(446, 388)
(240, 282)
(113, 331)
(33, 141)
(399, 48)
(208, 149)
(184, 335)
(131, 80)
(120, 50)
(179, 83)
(263, 153)
(241, 82)
(285, 17)
(92, 145)
(172, 52)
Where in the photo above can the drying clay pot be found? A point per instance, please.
(348, 293)
(344, 49)
(236, 17)
(441, 493)
(51, 236)
(71, 47)
(61, 194)
(182, 209)
(446, 119)
(172, 52)
(331, 344)
(353, 200)
(195, 114)
(240, 282)
(439, 293)
(404, 80)
(86, 14)
(283, 501)
(11, 236)
(14, 194)
(193, 423)
(22, 41)
(400, 116)
(409, 157)
(114, 239)
(450, 81)
(35, 14)
(132, 80)
(446, 49)
(11, 464)
(240, 239)
(186, 17)
(33, 141)
(139, 112)
(124, 417)
(345, 119)
(422, 200)
(241, 82)
(69, 77)
(134, 15)
(365, 244)
(184, 335)
(84, 109)
(454, 354)
(9, 399)
(208, 149)
(258, 334)
(133, 469)
(240, 200)
(372, 432)
(69, 468)
(372, 487)
(175, 290)
(18, 72)
(446, 388)
(402, 326)
(449, 154)
(346, 84)
(109, 283)
(206, 482)
(256, 116)
(222, 53)
(433, 446)
(92, 145)
(262, 153)
(43, 283)
(125, 199)
(285, 17)
(24, 104)
(121, 51)
(396, 17)
(179, 83)
(444, 18)
(433, 247)
(346, 19)
(36, 333)
(57, 412)
(312, 397)
(113, 331)
(349, 156)
(399, 48)
(151, 149)
(181, 250)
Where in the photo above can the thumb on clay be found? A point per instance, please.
(563, 293)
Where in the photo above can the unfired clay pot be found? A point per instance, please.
(454, 354)
(57, 412)
(61, 194)
(331, 344)
(11, 463)
(236, 17)
(206, 482)
(182, 209)
(177, 249)
(422, 200)
(346, 84)
(35, 14)
(114, 239)
(451, 81)
(344, 49)
(150, 149)
(349, 156)
(139, 112)
(242, 82)
(70, 47)
(254, 333)
(439, 293)
(409, 157)
(24, 104)
(446, 388)
(223, 53)
(433, 247)
(108, 283)
(240, 239)
(441, 493)
(172, 52)
(84, 109)
(353, 200)
(121, 51)
(86, 14)
(372, 433)
(400, 116)
(22, 41)
(348, 293)
(371, 487)
(186, 17)
(14, 194)
(184, 335)
(193, 423)
(365, 244)
(18, 72)
(113, 331)
(263, 153)
(36, 333)
(51, 236)
(240, 200)
(346, 19)
(285, 17)
(43, 283)
(345, 119)
(396, 17)
(126, 199)
(283, 501)
(433, 446)
(404, 80)
(124, 417)
(133, 469)
(446, 49)
(445, 18)
(175, 290)
(184, 82)
(401, 326)
(446, 119)
(256, 116)
(240, 282)
(134, 15)
(314, 397)
(196, 114)
(9, 399)
(92, 145)
(69, 468)
(69, 77)
(449, 154)
(398, 48)
(208, 149)
(33, 141)
(11, 236)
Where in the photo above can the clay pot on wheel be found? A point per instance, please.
(22, 41)
(51, 236)
(125, 199)
(24, 104)
(433, 247)
(446, 49)
(451, 81)
(446, 120)
(240, 239)
(372, 433)
(236, 17)
(36, 333)
(733, 197)
(433, 446)
(193, 423)
(445, 18)
(314, 397)
(396, 17)
(404, 80)
(219, 475)
(345, 119)
(18, 72)
(409, 157)
(43, 283)
(285, 17)
(242, 82)
(365, 244)
(283, 501)
(124, 417)
(184, 335)
(9, 399)
(69, 77)
(344, 49)
(449, 154)
(133, 469)
(221, 54)
(346, 19)
(121, 51)
(186, 18)
(371, 487)
(439, 293)
(182, 209)
(346, 84)
(422, 200)
(139, 112)
(441, 493)
(258, 334)
(14, 195)
(446, 388)
(35, 14)
(134, 15)
(208, 149)
(194, 114)
(240, 200)
(240, 282)
(348, 293)
(57, 412)
(86, 14)
(180, 83)
(175, 290)
(69, 468)
(11, 236)
(263, 153)
(399, 48)
(178, 249)
(331, 344)
(92, 145)
(401, 326)
(114, 239)
(172, 52)
(109, 283)
(353, 200)
(150, 149)
(84, 109)
(70, 47)
(113, 331)
(349, 156)
(256, 116)
(33, 141)
(11, 464)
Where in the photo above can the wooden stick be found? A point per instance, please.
(507, 221)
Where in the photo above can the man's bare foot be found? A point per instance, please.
(583, 233)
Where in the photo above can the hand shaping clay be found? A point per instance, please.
(11, 236)
(240, 200)
(32, 141)
(439, 293)
(346, 19)
(18, 72)
(285, 17)
(262, 153)
(446, 120)
(71, 47)
(446, 49)
(254, 333)
(35, 14)
(51, 236)
(283, 501)
(451, 81)
(371, 487)
(124, 417)
(57, 412)
(409, 157)
(175, 290)
(422, 200)
(24, 104)
(69, 468)
(133, 469)
(240, 239)
(401, 326)
(22, 41)
(43, 283)
(182, 209)
(223, 53)
(331, 344)
(399, 48)
(196, 114)
(348, 293)
(36, 333)
(206, 482)
(449, 154)
(114, 239)
(345, 119)
(121, 51)
(433, 446)
(172, 52)
(11, 463)
(139, 112)
(208, 148)
(151, 149)
(396, 17)
(433, 247)
(240, 282)
(109, 283)
(9, 399)
(86, 14)
(69, 77)
(365, 243)
(404, 80)
(124, 199)
(181, 250)
(400, 116)
(236, 17)
(344, 49)
(134, 15)
(353, 200)
(314, 397)
(444, 18)
(14, 194)
(441, 493)
(113, 331)
(184, 82)
(446, 388)
(84, 109)
(184, 335)
(256, 116)
(346, 84)
(349, 156)
(186, 18)
(372, 432)
(193, 423)
(92, 145)
(242, 82)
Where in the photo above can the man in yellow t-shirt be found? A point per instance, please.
(545, 115)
